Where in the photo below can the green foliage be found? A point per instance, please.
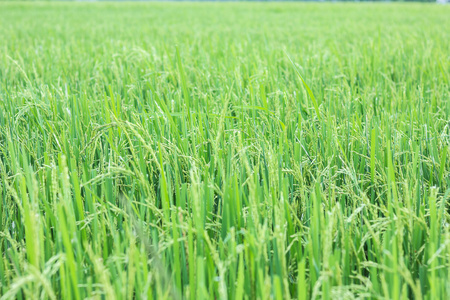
(224, 151)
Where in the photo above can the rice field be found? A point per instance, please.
(224, 151)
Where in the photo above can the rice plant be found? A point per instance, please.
(224, 151)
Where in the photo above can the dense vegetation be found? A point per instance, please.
(173, 151)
